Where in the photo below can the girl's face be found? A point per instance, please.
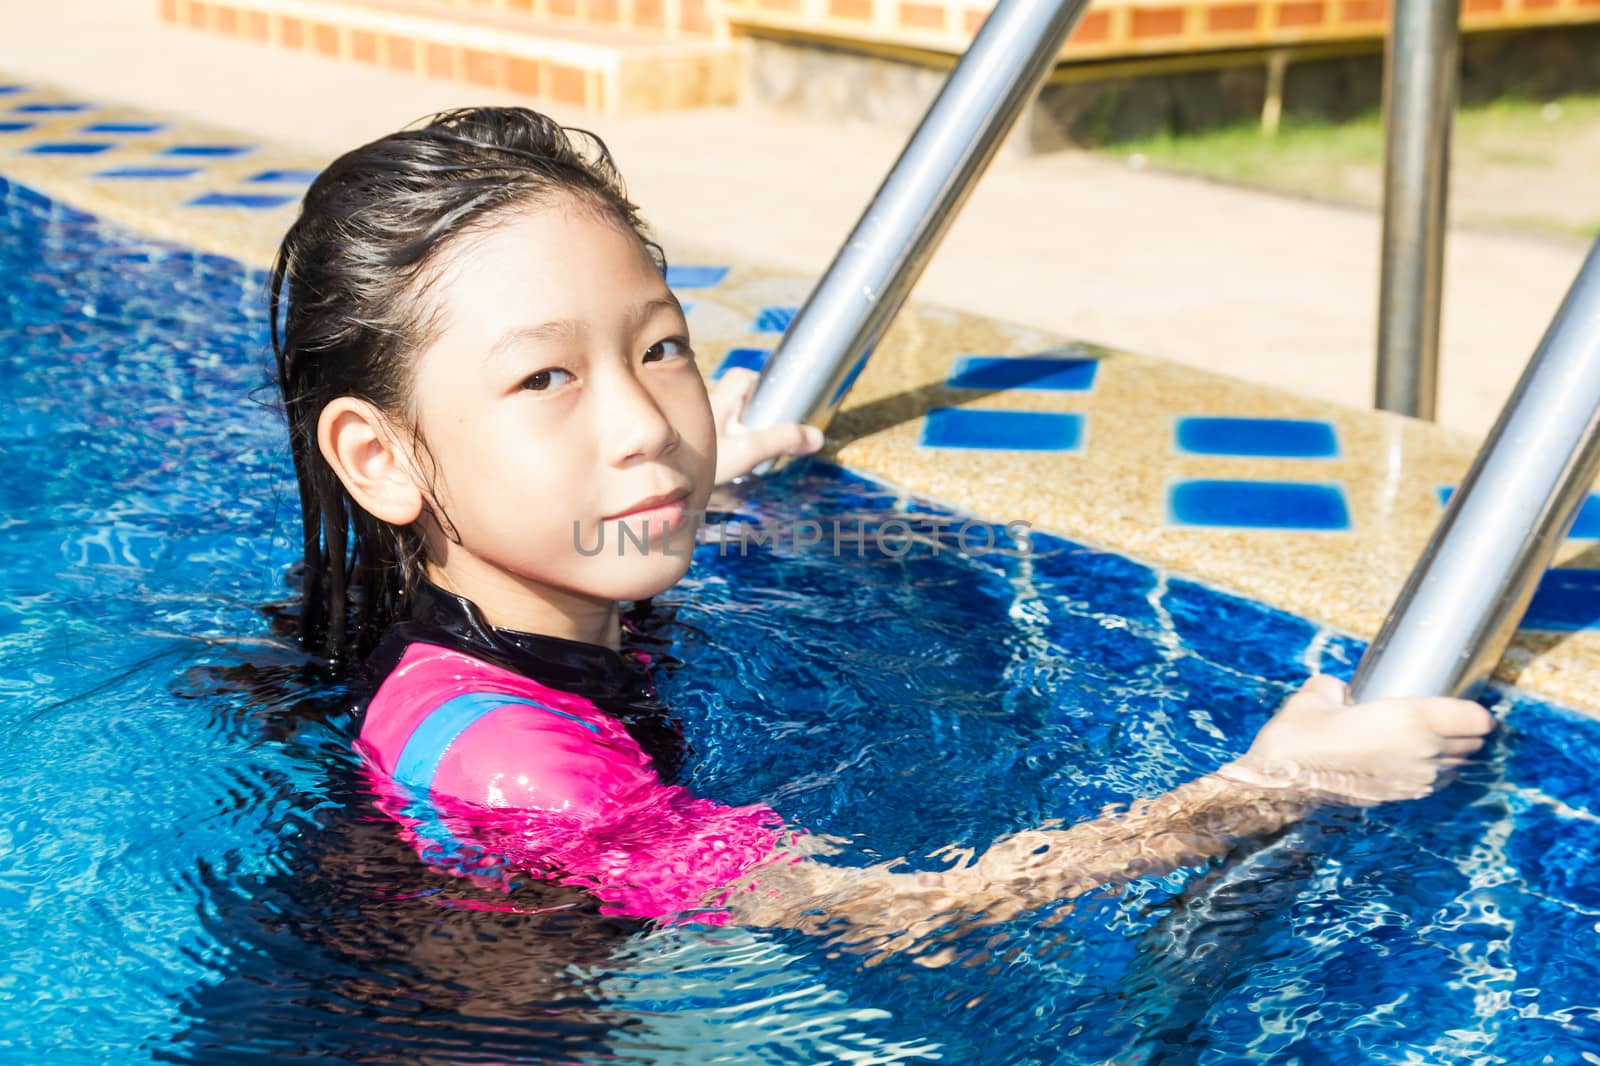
(559, 400)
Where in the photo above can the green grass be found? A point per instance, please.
(1586, 230)
(1520, 112)
(1306, 156)
(1536, 140)
(1515, 157)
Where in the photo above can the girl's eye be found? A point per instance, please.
(669, 347)
(543, 379)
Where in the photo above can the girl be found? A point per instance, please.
(484, 374)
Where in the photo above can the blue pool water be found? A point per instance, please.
(190, 870)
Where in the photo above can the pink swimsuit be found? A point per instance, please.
(492, 773)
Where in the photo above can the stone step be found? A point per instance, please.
(614, 69)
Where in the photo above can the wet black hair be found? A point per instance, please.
(351, 284)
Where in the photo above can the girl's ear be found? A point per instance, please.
(361, 446)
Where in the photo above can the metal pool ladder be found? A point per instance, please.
(1001, 71)
(1463, 601)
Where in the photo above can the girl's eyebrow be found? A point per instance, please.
(565, 328)
(642, 312)
(560, 329)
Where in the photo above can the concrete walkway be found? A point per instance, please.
(1270, 289)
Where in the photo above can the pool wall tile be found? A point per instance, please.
(148, 173)
(1567, 600)
(1276, 505)
(68, 148)
(748, 358)
(208, 151)
(284, 177)
(52, 108)
(774, 319)
(124, 127)
(1033, 372)
(694, 277)
(249, 200)
(961, 427)
(1274, 438)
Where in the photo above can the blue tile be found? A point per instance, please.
(1566, 600)
(695, 277)
(849, 380)
(1258, 505)
(1024, 372)
(68, 148)
(1279, 438)
(209, 151)
(1033, 431)
(286, 177)
(125, 127)
(7, 90)
(51, 109)
(751, 358)
(775, 319)
(253, 200)
(15, 127)
(149, 172)
(1585, 527)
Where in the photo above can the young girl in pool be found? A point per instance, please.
(484, 371)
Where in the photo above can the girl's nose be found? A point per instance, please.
(636, 426)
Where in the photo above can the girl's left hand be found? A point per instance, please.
(739, 449)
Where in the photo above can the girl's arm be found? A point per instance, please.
(1316, 749)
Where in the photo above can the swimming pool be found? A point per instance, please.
(190, 870)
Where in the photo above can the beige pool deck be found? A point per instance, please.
(1112, 491)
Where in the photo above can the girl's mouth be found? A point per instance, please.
(657, 513)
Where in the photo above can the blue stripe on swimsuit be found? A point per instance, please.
(425, 749)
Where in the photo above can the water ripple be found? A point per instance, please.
(192, 869)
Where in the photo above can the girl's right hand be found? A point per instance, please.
(1322, 745)
(740, 449)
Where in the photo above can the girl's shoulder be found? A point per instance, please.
(429, 678)
(449, 688)
(446, 722)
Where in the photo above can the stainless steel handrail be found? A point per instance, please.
(847, 313)
(1462, 603)
(1419, 99)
